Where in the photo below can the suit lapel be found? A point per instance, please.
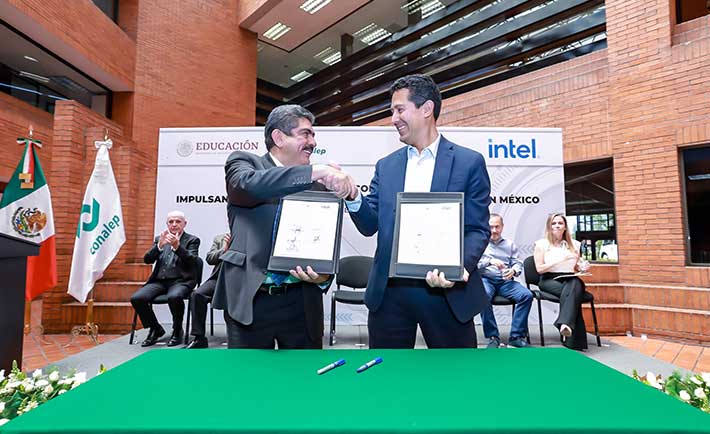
(399, 170)
(442, 166)
(268, 162)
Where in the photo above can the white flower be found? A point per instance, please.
(2, 407)
(685, 396)
(54, 376)
(62, 392)
(651, 378)
(31, 405)
(37, 373)
(2, 374)
(4, 421)
(13, 385)
(48, 390)
(41, 383)
(700, 393)
(80, 377)
(706, 377)
(696, 380)
(28, 387)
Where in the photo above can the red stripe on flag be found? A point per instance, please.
(41, 270)
(31, 167)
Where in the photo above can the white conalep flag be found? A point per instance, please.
(100, 233)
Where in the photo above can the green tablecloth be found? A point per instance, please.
(250, 391)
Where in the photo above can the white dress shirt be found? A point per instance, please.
(418, 175)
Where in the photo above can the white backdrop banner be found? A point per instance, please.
(524, 165)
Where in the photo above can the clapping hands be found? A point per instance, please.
(167, 238)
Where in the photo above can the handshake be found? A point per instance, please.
(335, 180)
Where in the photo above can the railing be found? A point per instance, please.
(468, 45)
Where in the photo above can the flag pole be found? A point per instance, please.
(28, 317)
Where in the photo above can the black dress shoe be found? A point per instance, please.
(175, 338)
(197, 342)
(153, 335)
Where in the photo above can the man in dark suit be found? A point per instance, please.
(203, 294)
(263, 308)
(175, 254)
(443, 309)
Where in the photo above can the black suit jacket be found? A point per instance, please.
(254, 187)
(187, 256)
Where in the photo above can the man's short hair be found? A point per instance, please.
(177, 213)
(498, 216)
(284, 118)
(421, 89)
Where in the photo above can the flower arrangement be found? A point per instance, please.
(21, 392)
(693, 389)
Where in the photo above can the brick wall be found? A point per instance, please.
(194, 67)
(639, 101)
(73, 154)
(15, 118)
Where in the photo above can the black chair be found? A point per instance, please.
(499, 300)
(353, 272)
(533, 278)
(163, 299)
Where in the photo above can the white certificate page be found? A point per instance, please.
(307, 230)
(429, 234)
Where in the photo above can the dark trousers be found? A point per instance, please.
(407, 303)
(176, 290)
(570, 291)
(199, 298)
(278, 319)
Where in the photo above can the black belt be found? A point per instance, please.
(280, 289)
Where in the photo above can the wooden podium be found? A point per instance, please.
(13, 269)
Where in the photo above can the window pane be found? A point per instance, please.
(589, 195)
(697, 202)
(687, 10)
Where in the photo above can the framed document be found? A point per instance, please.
(428, 234)
(308, 232)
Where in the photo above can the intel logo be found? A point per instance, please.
(512, 150)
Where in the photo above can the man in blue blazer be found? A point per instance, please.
(444, 310)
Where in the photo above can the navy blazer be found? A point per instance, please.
(457, 169)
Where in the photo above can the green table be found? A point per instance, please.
(533, 390)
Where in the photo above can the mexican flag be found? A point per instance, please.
(100, 234)
(26, 212)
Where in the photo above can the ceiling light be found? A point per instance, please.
(301, 76)
(36, 77)
(329, 56)
(431, 7)
(276, 31)
(427, 7)
(371, 34)
(313, 6)
(31, 59)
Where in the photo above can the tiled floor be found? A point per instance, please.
(40, 351)
(691, 357)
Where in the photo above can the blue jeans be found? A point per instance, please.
(523, 301)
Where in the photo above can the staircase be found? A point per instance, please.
(112, 307)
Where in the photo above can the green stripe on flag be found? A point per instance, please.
(13, 192)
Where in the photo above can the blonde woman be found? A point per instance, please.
(555, 255)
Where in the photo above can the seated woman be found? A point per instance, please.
(555, 255)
